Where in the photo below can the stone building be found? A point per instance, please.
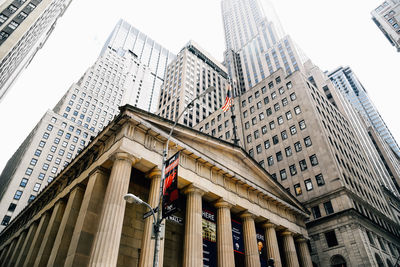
(304, 139)
(226, 198)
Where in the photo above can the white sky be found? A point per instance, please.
(331, 33)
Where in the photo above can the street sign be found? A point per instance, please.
(149, 213)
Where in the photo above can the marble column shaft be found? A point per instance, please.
(107, 241)
(252, 258)
(224, 234)
(17, 249)
(28, 241)
(10, 250)
(272, 244)
(147, 246)
(193, 242)
(304, 253)
(289, 250)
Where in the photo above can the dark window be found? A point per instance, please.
(12, 207)
(6, 220)
(303, 165)
(275, 139)
(284, 135)
(307, 141)
(302, 125)
(270, 161)
(370, 238)
(316, 212)
(297, 146)
(267, 144)
(283, 174)
(331, 238)
(313, 160)
(320, 179)
(279, 156)
(328, 207)
(288, 151)
(23, 183)
(292, 169)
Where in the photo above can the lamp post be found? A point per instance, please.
(134, 199)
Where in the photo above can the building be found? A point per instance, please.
(387, 18)
(190, 74)
(116, 78)
(24, 28)
(231, 208)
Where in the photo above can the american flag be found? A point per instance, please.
(228, 100)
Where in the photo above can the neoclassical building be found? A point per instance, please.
(232, 213)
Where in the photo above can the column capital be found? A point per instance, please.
(287, 233)
(269, 224)
(246, 215)
(301, 239)
(154, 173)
(193, 189)
(221, 203)
(119, 155)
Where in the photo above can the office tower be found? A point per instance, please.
(151, 54)
(387, 18)
(349, 85)
(192, 72)
(24, 28)
(116, 78)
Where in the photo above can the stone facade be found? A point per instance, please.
(81, 219)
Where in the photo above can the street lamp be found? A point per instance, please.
(130, 198)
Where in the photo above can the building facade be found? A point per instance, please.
(232, 212)
(116, 78)
(189, 75)
(24, 28)
(308, 145)
(386, 17)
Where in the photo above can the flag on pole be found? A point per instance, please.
(228, 100)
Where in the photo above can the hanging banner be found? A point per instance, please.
(170, 188)
(209, 223)
(262, 250)
(237, 236)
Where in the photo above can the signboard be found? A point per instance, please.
(262, 250)
(238, 245)
(170, 188)
(209, 223)
(149, 213)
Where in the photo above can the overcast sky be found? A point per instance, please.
(331, 33)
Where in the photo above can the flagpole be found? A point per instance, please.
(233, 117)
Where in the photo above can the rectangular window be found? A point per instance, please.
(49, 127)
(293, 170)
(328, 207)
(270, 161)
(266, 100)
(288, 115)
(284, 135)
(288, 151)
(28, 171)
(33, 161)
(23, 183)
(307, 141)
(258, 149)
(302, 124)
(303, 165)
(275, 139)
(280, 120)
(269, 111)
(41, 176)
(283, 174)
(272, 125)
(292, 96)
(293, 129)
(18, 194)
(6, 220)
(331, 238)
(319, 179)
(38, 152)
(267, 144)
(264, 129)
(297, 189)
(279, 156)
(249, 138)
(289, 85)
(12, 207)
(314, 160)
(276, 107)
(42, 143)
(297, 110)
(308, 184)
(316, 212)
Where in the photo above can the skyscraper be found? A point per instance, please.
(117, 77)
(386, 17)
(24, 28)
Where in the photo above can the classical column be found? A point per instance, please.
(27, 242)
(106, 244)
(36, 242)
(17, 249)
(64, 234)
(272, 243)
(250, 240)
(224, 234)
(304, 253)
(289, 250)
(10, 250)
(193, 243)
(88, 220)
(147, 247)
(50, 234)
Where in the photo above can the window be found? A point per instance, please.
(45, 166)
(256, 134)
(281, 90)
(262, 164)
(278, 79)
(28, 171)
(275, 139)
(264, 129)
(245, 113)
(23, 183)
(249, 138)
(308, 184)
(272, 125)
(12, 207)
(267, 144)
(257, 94)
(293, 129)
(270, 85)
(279, 156)
(244, 103)
(313, 160)
(251, 153)
(254, 121)
(36, 187)
(60, 132)
(6, 220)
(252, 109)
(266, 100)
(283, 174)
(293, 170)
(45, 135)
(270, 161)
(328, 207)
(269, 111)
(276, 107)
(280, 120)
(303, 165)
(38, 152)
(284, 135)
(307, 141)
(288, 151)
(247, 125)
(263, 90)
(297, 110)
(316, 212)
(259, 105)
(57, 161)
(297, 146)
(320, 179)
(289, 85)
(331, 238)
(53, 149)
(273, 95)
(41, 176)
(292, 96)
(61, 152)
(18, 195)
(31, 198)
(42, 143)
(56, 140)
(33, 161)
(258, 149)
(288, 115)
(49, 127)
(261, 116)
(250, 99)
(297, 189)
(302, 125)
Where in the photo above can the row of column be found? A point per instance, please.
(193, 249)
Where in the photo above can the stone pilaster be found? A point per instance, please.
(61, 244)
(250, 240)
(107, 241)
(224, 234)
(17, 249)
(193, 243)
(289, 249)
(50, 234)
(272, 244)
(36, 242)
(147, 247)
(88, 220)
(304, 253)
(28, 241)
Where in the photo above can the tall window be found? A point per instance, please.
(328, 207)
(316, 212)
(331, 238)
(297, 189)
